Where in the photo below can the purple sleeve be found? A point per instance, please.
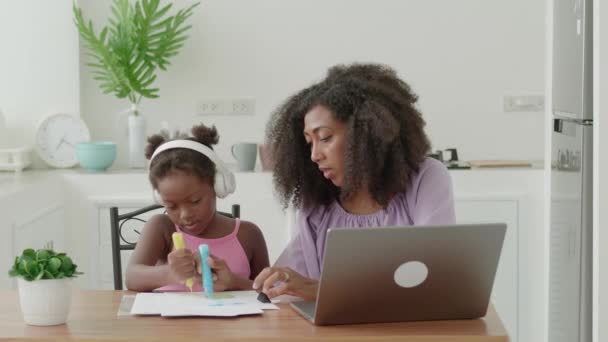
(434, 197)
(300, 254)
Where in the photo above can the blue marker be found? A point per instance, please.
(207, 279)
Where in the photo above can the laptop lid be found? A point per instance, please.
(394, 274)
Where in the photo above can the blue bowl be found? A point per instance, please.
(96, 155)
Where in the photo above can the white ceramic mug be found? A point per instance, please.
(245, 155)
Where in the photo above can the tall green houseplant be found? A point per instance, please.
(140, 39)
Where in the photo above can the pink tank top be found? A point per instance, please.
(228, 248)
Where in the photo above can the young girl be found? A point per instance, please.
(187, 176)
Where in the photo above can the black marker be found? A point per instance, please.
(262, 297)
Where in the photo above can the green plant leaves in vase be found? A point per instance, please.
(141, 37)
(43, 264)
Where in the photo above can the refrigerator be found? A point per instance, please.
(570, 249)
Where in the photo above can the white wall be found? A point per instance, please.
(38, 66)
(460, 57)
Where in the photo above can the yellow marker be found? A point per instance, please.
(178, 243)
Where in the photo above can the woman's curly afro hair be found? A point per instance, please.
(181, 159)
(385, 143)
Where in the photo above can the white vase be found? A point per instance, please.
(45, 302)
(137, 140)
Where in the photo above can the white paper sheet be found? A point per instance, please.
(147, 304)
(223, 304)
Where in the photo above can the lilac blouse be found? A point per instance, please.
(429, 200)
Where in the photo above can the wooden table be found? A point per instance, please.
(93, 316)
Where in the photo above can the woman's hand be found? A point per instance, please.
(182, 265)
(276, 281)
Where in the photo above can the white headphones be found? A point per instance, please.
(225, 183)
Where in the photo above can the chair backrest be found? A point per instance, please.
(119, 224)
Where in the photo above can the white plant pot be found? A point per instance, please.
(137, 140)
(45, 302)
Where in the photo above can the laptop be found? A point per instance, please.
(397, 274)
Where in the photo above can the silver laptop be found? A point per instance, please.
(396, 274)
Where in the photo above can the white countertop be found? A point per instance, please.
(135, 181)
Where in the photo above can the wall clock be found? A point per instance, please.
(56, 139)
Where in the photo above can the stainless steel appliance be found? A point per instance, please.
(570, 251)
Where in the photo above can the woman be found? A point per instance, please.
(351, 152)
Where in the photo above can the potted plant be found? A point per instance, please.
(44, 284)
(140, 39)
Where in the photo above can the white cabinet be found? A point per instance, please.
(31, 216)
(505, 290)
(515, 197)
(43, 229)
(105, 276)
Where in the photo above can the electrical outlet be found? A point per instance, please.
(242, 106)
(210, 107)
(528, 103)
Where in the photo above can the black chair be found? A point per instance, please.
(118, 226)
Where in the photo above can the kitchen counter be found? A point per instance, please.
(11, 182)
(134, 184)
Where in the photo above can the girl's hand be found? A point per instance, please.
(276, 281)
(182, 265)
(223, 278)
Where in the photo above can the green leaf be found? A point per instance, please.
(138, 40)
(42, 254)
(54, 264)
(32, 268)
(66, 263)
(30, 253)
(22, 266)
(43, 264)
